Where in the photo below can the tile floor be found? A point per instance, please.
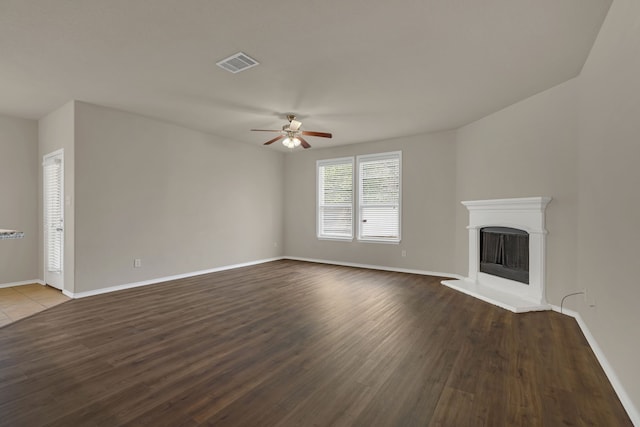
(22, 301)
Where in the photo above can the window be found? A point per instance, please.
(379, 197)
(335, 198)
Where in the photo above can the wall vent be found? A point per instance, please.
(238, 62)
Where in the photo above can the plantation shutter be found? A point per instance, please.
(379, 197)
(335, 198)
(53, 220)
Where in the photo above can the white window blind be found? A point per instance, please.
(53, 220)
(335, 198)
(379, 180)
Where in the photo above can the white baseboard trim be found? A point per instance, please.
(628, 405)
(24, 282)
(163, 279)
(375, 267)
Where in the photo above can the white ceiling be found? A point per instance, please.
(364, 70)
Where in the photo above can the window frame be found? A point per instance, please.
(356, 205)
(329, 162)
(359, 205)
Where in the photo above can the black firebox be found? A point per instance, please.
(504, 252)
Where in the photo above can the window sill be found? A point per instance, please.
(387, 242)
(336, 239)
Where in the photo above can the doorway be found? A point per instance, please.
(53, 216)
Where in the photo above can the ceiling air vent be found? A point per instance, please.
(238, 62)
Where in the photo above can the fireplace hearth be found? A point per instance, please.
(507, 241)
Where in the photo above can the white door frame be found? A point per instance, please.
(53, 278)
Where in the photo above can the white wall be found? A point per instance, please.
(55, 132)
(178, 199)
(579, 143)
(19, 198)
(608, 232)
(528, 149)
(428, 199)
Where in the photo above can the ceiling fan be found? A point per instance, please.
(291, 134)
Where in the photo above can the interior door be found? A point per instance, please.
(53, 215)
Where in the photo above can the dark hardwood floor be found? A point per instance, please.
(290, 343)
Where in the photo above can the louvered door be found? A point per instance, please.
(53, 215)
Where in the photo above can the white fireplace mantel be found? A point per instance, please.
(526, 214)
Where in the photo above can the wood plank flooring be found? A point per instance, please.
(289, 343)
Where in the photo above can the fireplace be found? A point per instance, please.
(504, 252)
(507, 244)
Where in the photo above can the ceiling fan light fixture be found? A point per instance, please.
(291, 142)
(291, 135)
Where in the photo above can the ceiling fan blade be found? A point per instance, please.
(265, 130)
(303, 142)
(271, 141)
(320, 134)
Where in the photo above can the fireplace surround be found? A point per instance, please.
(525, 214)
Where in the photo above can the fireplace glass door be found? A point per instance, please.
(504, 252)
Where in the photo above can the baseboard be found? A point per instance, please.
(164, 279)
(24, 282)
(375, 267)
(628, 405)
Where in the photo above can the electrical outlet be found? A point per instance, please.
(137, 263)
(404, 253)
